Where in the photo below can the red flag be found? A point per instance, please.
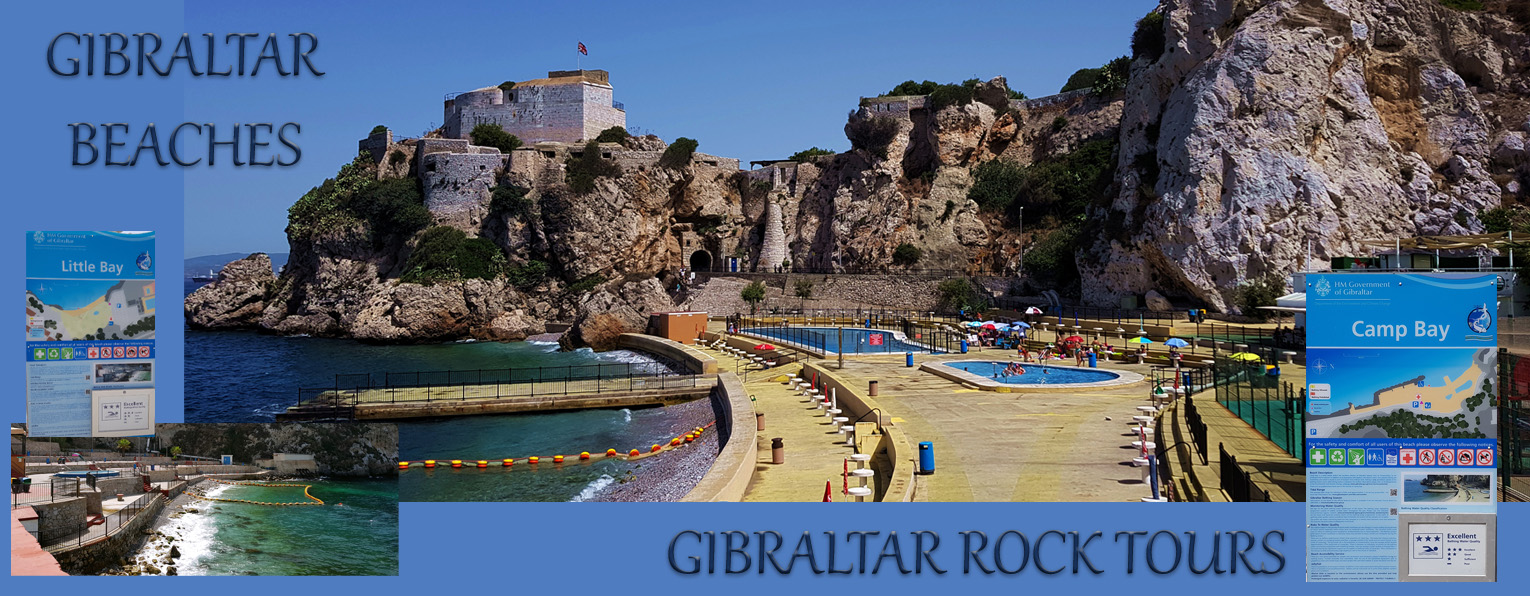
(583, 50)
(828, 491)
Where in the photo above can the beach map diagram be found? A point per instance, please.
(1450, 394)
(81, 310)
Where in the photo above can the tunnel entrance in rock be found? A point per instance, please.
(701, 261)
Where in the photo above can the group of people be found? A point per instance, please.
(1014, 369)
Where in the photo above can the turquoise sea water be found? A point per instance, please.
(359, 537)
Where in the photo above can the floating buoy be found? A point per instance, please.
(532, 459)
(403, 465)
(674, 441)
(689, 438)
(430, 463)
(557, 459)
(456, 463)
(633, 454)
(610, 453)
(483, 464)
(509, 462)
(655, 447)
(584, 455)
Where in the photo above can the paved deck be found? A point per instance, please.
(27, 557)
(815, 451)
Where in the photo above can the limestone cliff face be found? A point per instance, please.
(356, 449)
(1279, 125)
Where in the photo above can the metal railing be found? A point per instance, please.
(1274, 408)
(745, 268)
(108, 524)
(1068, 314)
(1513, 424)
(919, 336)
(1237, 482)
(1197, 430)
(58, 488)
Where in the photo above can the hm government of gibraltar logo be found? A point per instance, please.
(39, 237)
(145, 261)
(1323, 288)
(1479, 320)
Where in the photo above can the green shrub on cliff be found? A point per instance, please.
(961, 294)
(615, 134)
(509, 199)
(809, 154)
(528, 275)
(389, 209)
(491, 135)
(1105, 80)
(586, 167)
(906, 254)
(1054, 256)
(678, 154)
(1148, 39)
(996, 184)
(873, 134)
(377, 130)
(444, 253)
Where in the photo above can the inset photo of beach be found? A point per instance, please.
(1447, 488)
(207, 499)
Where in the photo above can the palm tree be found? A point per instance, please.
(804, 291)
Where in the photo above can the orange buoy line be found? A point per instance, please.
(655, 449)
(314, 500)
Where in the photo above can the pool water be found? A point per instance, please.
(857, 341)
(96, 473)
(1035, 374)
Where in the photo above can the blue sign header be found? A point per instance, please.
(1401, 310)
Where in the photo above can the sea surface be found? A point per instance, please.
(1413, 492)
(354, 533)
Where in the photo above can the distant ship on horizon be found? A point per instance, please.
(202, 279)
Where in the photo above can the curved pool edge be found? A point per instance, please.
(940, 369)
(825, 353)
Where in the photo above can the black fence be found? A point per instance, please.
(1197, 430)
(1256, 338)
(109, 524)
(24, 493)
(1273, 407)
(745, 267)
(1068, 314)
(1237, 482)
(1513, 426)
(822, 335)
(460, 385)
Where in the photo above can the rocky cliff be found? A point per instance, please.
(1262, 132)
(1271, 130)
(337, 449)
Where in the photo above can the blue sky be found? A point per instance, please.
(746, 80)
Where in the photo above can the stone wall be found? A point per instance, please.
(773, 251)
(94, 557)
(566, 110)
(124, 485)
(457, 182)
(693, 360)
(599, 111)
(59, 519)
(376, 145)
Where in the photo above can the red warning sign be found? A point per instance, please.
(143, 351)
(1484, 457)
(1426, 457)
(1464, 457)
(118, 352)
(132, 351)
(876, 339)
(1447, 457)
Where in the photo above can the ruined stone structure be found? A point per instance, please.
(773, 250)
(568, 106)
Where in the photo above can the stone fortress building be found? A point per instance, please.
(567, 106)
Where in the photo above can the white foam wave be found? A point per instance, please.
(626, 415)
(593, 488)
(537, 342)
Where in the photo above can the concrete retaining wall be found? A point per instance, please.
(59, 519)
(193, 470)
(692, 359)
(730, 473)
(900, 454)
(95, 556)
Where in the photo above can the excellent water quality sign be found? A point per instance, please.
(1401, 427)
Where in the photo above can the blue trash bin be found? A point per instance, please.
(868, 322)
(1093, 360)
(926, 458)
(964, 346)
(908, 359)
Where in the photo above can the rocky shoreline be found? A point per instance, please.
(670, 476)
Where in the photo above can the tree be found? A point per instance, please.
(754, 294)
(809, 154)
(961, 294)
(615, 134)
(678, 154)
(804, 291)
(872, 134)
(1148, 39)
(379, 129)
(906, 254)
(175, 451)
(124, 445)
(491, 135)
(1260, 292)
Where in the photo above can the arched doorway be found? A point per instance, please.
(701, 261)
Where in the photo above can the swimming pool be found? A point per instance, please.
(826, 339)
(1035, 374)
(84, 473)
(989, 375)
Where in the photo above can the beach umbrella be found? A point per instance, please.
(1139, 340)
(1022, 325)
(1245, 356)
(1175, 342)
(971, 323)
(1032, 311)
(1074, 339)
(764, 347)
(990, 326)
